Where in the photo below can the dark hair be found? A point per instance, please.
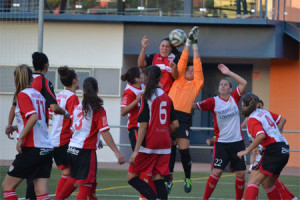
(250, 101)
(39, 60)
(153, 75)
(67, 75)
(165, 38)
(260, 101)
(23, 77)
(226, 79)
(188, 65)
(91, 101)
(131, 74)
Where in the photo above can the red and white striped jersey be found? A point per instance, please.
(61, 129)
(262, 121)
(30, 101)
(129, 96)
(164, 64)
(158, 112)
(86, 131)
(226, 116)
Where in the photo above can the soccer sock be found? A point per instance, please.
(84, 192)
(30, 192)
(210, 186)
(272, 193)
(43, 197)
(251, 192)
(186, 162)
(92, 196)
(142, 187)
(61, 182)
(239, 187)
(67, 189)
(161, 189)
(172, 159)
(284, 192)
(10, 195)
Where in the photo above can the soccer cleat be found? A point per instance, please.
(169, 186)
(295, 198)
(187, 185)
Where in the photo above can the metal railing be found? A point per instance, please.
(203, 129)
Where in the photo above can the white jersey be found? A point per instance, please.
(30, 101)
(86, 131)
(226, 116)
(61, 128)
(262, 121)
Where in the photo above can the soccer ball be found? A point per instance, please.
(177, 38)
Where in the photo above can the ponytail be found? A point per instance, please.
(91, 101)
(153, 75)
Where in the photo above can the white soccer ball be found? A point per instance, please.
(177, 38)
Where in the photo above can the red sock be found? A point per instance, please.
(67, 189)
(148, 179)
(210, 186)
(239, 188)
(273, 193)
(61, 182)
(84, 192)
(10, 195)
(43, 197)
(93, 194)
(284, 192)
(251, 192)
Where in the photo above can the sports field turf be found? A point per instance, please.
(112, 185)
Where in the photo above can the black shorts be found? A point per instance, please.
(133, 132)
(185, 120)
(32, 163)
(83, 165)
(60, 157)
(227, 152)
(273, 159)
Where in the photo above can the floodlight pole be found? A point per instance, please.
(41, 26)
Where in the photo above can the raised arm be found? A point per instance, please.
(141, 59)
(241, 81)
(125, 110)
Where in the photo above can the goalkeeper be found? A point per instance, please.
(183, 94)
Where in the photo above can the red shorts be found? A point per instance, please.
(151, 164)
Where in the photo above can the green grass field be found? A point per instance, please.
(112, 185)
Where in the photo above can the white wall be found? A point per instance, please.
(72, 44)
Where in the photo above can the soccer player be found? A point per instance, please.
(89, 121)
(130, 105)
(162, 60)
(255, 157)
(265, 127)
(34, 145)
(183, 94)
(61, 130)
(153, 147)
(43, 85)
(131, 100)
(227, 129)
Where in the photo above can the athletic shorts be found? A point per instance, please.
(60, 157)
(184, 129)
(224, 153)
(32, 163)
(151, 164)
(273, 159)
(83, 165)
(133, 133)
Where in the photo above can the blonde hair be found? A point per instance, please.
(23, 78)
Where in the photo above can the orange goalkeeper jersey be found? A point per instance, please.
(183, 92)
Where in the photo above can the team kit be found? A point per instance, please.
(158, 101)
